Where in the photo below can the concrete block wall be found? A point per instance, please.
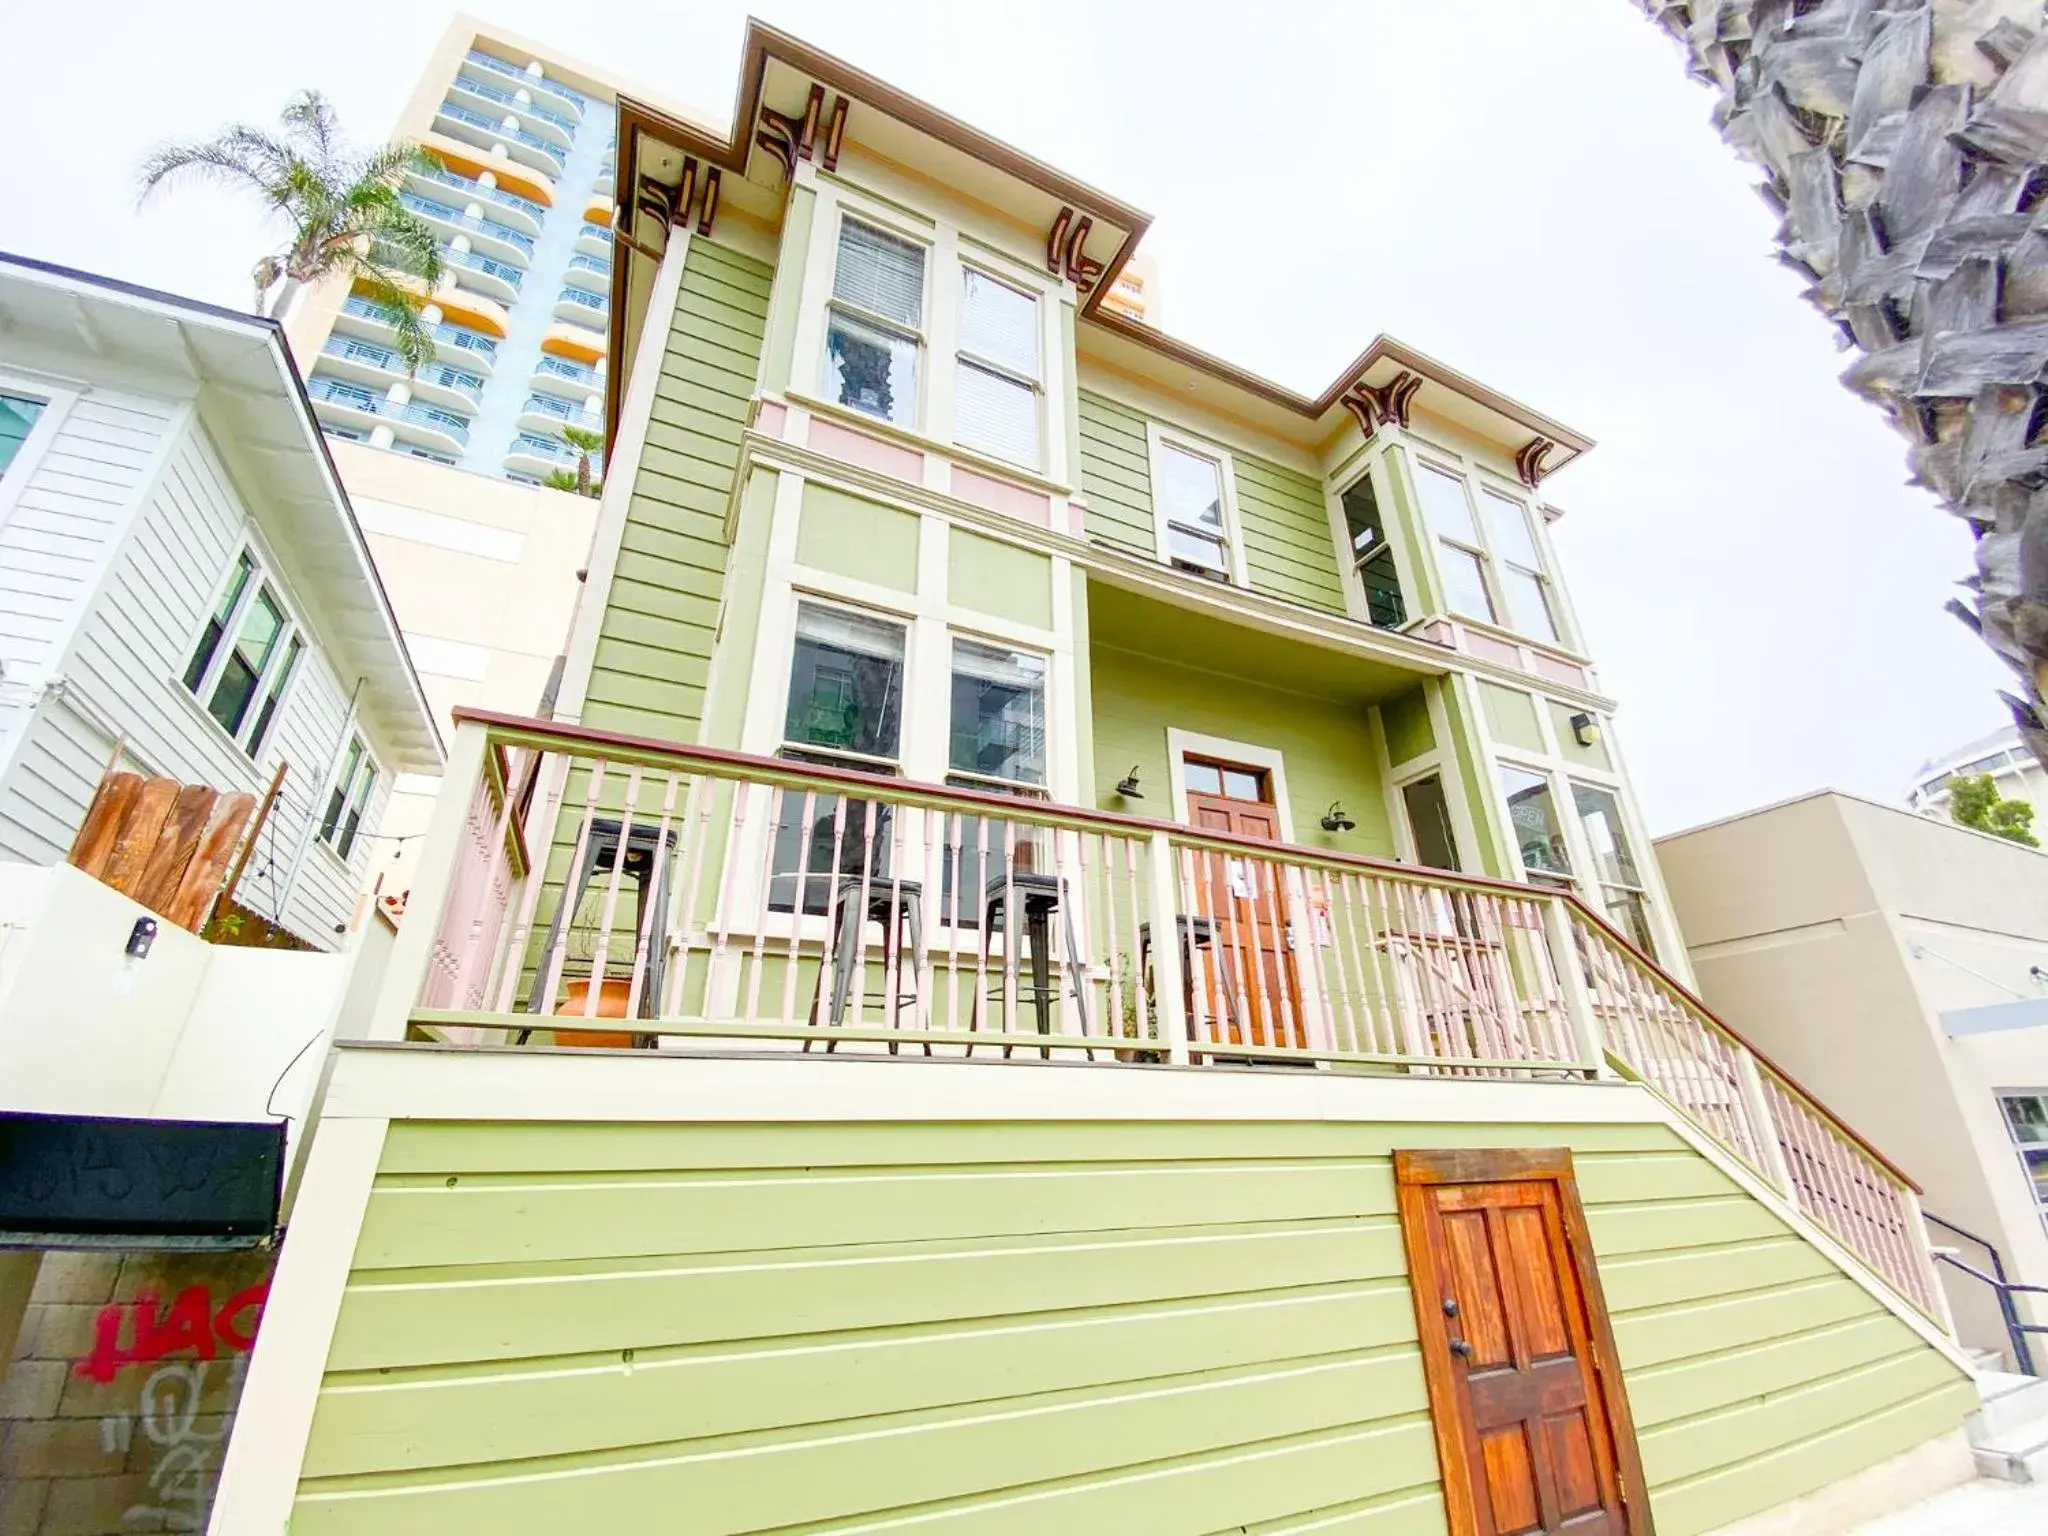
(116, 1406)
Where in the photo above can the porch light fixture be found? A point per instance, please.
(1585, 730)
(1127, 786)
(1334, 819)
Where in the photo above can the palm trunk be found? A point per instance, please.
(282, 298)
(583, 474)
(1906, 147)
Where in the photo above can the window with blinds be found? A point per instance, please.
(874, 332)
(997, 384)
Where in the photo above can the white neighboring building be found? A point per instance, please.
(2003, 755)
(181, 574)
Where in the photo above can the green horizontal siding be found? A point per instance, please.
(661, 614)
(1019, 1328)
(1287, 548)
(1326, 747)
(1116, 476)
(1286, 531)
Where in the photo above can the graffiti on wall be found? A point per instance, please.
(184, 1448)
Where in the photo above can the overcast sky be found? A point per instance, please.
(1531, 192)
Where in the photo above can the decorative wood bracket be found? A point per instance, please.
(698, 188)
(1385, 406)
(1066, 252)
(1529, 462)
(790, 139)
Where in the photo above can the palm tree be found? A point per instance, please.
(341, 206)
(585, 443)
(1906, 148)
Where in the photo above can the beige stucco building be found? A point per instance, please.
(1895, 965)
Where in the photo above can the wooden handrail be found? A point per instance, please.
(652, 751)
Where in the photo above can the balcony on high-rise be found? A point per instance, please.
(552, 94)
(505, 131)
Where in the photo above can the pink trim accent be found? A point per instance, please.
(769, 418)
(1034, 507)
(1437, 632)
(1488, 648)
(868, 452)
(1559, 671)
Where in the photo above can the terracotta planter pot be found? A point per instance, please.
(612, 996)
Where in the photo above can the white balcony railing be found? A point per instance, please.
(715, 898)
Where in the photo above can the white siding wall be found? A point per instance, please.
(123, 675)
(57, 536)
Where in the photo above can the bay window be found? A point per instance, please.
(874, 331)
(1518, 567)
(1592, 854)
(1372, 557)
(1460, 556)
(1620, 884)
(246, 655)
(1538, 832)
(1491, 565)
(997, 381)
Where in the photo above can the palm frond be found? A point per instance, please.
(203, 160)
(414, 341)
(311, 117)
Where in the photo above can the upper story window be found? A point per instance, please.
(997, 384)
(874, 334)
(1518, 566)
(349, 800)
(1372, 557)
(1491, 566)
(1194, 506)
(18, 414)
(247, 653)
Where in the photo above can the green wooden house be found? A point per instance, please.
(1076, 955)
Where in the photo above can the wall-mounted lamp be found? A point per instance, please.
(1127, 786)
(1334, 819)
(1585, 730)
(140, 937)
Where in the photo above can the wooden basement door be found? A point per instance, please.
(1532, 1425)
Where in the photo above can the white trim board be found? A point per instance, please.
(1180, 743)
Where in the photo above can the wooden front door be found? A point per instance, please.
(1532, 1426)
(1252, 994)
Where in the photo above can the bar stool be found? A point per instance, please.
(898, 907)
(1040, 897)
(1196, 934)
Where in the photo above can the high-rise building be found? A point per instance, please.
(517, 181)
(461, 473)
(2002, 754)
(1134, 293)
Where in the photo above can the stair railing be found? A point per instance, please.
(2002, 1286)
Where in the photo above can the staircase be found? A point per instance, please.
(2009, 1434)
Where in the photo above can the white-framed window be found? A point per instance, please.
(246, 656)
(875, 324)
(2026, 1122)
(348, 801)
(1486, 552)
(1570, 834)
(998, 380)
(1194, 506)
(1536, 825)
(1371, 555)
(996, 726)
